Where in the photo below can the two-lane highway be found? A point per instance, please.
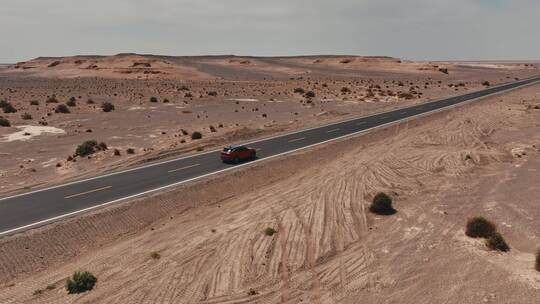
(38, 207)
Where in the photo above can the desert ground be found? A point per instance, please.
(228, 99)
(205, 242)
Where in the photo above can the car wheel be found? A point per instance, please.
(237, 160)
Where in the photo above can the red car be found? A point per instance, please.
(236, 154)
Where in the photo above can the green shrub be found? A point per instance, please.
(7, 107)
(496, 242)
(382, 204)
(479, 227)
(61, 108)
(86, 148)
(4, 122)
(107, 107)
(26, 116)
(537, 266)
(196, 135)
(153, 99)
(269, 231)
(80, 282)
(71, 102)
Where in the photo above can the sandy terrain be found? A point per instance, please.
(480, 159)
(227, 98)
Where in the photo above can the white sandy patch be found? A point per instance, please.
(28, 132)
(136, 108)
(48, 163)
(244, 99)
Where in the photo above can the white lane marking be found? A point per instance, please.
(278, 135)
(183, 168)
(383, 117)
(296, 139)
(88, 192)
(42, 222)
(360, 123)
(333, 130)
(403, 112)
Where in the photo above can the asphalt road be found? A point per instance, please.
(38, 207)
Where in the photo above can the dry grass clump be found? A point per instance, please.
(537, 265)
(80, 282)
(496, 242)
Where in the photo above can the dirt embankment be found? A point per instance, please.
(442, 169)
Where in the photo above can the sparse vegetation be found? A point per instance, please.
(406, 95)
(443, 70)
(37, 292)
(196, 135)
(212, 93)
(34, 103)
(130, 151)
(496, 242)
(269, 231)
(107, 107)
(479, 227)
(52, 99)
(61, 108)
(71, 102)
(486, 83)
(117, 152)
(155, 255)
(299, 91)
(26, 116)
(153, 99)
(80, 282)
(4, 122)
(89, 147)
(345, 90)
(310, 94)
(90, 101)
(382, 204)
(7, 107)
(252, 292)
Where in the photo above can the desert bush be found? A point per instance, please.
(4, 122)
(537, 266)
(166, 100)
(155, 255)
(183, 88)
(107, 107)
(496, 242)
(102, 146)
(130, 151)
(80, 282)
(7, 107)
(61, 108)
(90, 101)
(406, 95)
(212, 129)
(443, 70)
(310, 94)
(86, 148)
(153, 99)
(34, 103)
(269, 231)
(486, 83)
(117, 152)
(382, 204)
(52, 99)
(53, 64)
(345, 90)
(479, 227)
(188, 95)
(184, 132)
(26, 116)
(196, 135)
(71, 102)
(299, 91)
(212, 93)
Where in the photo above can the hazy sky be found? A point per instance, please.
(410, 29)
